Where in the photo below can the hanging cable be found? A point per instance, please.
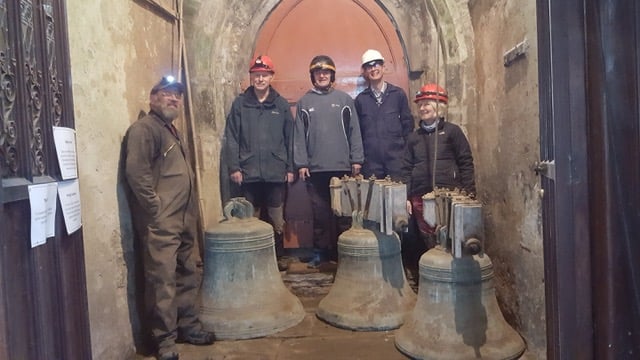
(437, 109)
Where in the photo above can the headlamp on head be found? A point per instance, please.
(262, 63)
(168, 81)
(432, 92)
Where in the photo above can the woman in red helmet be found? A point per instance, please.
(439, 141)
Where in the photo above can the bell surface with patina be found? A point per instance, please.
(243, 295)
(457, 316)
(370, 291)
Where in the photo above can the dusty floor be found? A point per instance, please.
(312, 339)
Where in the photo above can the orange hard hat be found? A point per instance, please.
(432, 92)
(262, 63)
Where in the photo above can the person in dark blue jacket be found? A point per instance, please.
(385, 120)
(258, 144)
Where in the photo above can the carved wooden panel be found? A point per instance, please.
(42, 289)
(9, 131)
(32, 87)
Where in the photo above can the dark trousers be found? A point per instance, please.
(267, 196)
(325, 223)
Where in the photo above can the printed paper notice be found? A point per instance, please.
(65, 140)
(42, 199)
(69, 193)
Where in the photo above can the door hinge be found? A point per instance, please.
(546, 168)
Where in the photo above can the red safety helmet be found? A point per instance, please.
(432, 92)
(262, 63)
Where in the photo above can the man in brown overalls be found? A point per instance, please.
(164, 213)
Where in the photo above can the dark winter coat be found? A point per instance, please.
(258, 137)
(454, 165)
(384, 129)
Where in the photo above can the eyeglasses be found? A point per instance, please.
(372, 64)
(170, 94)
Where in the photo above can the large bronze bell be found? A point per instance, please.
(243, 295)
(457, 316)
(370, 291)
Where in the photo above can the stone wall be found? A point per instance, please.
(118, 50)
(458, 43)
(506, 139)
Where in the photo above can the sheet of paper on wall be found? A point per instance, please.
(69, 193)
(65, 140)
(42, 200)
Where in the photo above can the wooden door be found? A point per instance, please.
(298, 30)
(43, 300)
(589, 67)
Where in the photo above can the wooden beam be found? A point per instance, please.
(163, 11)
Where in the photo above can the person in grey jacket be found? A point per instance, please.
(327, 143)
(164, 212)
(385, 120)
(436, 146)
(258, 141)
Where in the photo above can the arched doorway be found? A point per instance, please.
(298, 30)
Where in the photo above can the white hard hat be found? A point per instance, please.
(371, 55)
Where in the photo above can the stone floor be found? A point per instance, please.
(312, 339)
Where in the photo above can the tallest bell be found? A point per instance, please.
(243, 295)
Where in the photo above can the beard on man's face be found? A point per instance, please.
(168, 113)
